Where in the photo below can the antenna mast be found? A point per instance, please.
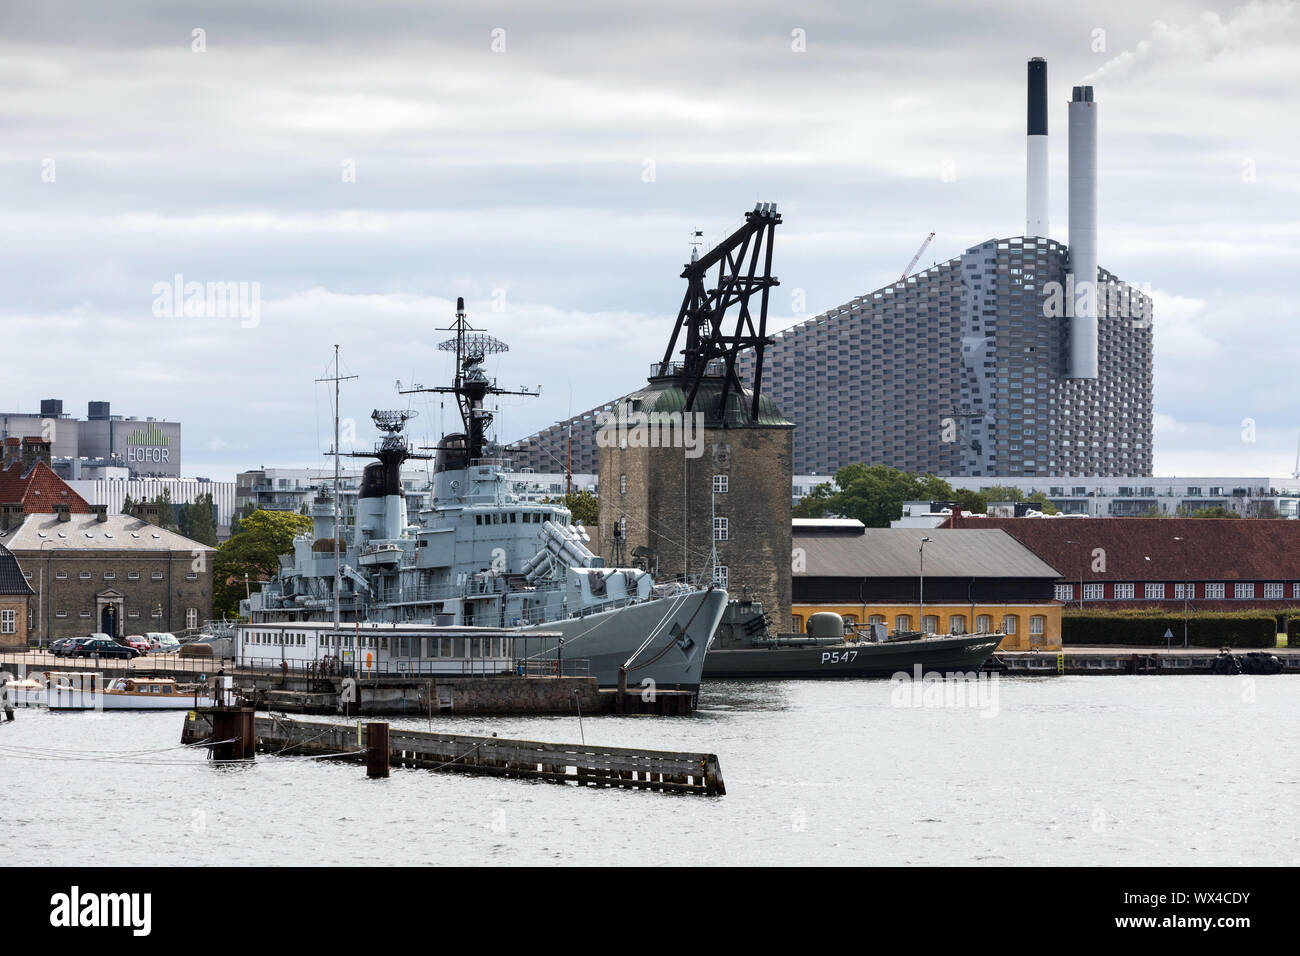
(336, 378)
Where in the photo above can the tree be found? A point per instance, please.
(1218, 511)
(239, 515)
(255, 551)
(874, 494)
(582, 505)
(815, 503)
(198, 520)
(166, 511)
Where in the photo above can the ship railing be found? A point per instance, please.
(562, 668)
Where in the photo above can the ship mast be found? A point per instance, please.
(336, 378)
(471, 384)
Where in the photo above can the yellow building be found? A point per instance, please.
(940, 581)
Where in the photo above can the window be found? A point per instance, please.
(903, 622)
(134, 612)
(110, 575)
(797, 622)
(1009, 623)
(930, 624)
(84, 575)
(191, 576)
(1182, 591)
(1037, 623)
(957, 624)
(8, 621)
(1273, 592)
(60, 575)
(876, 619)
(720, 484)
(1155, 592)
(983, 624)
(1243, 592)
(1095, 592)
(720, 575)
(133, 575)
(191, 618)
(1213, 590)
(850, 620)
(155, 576)
(622, 484)
(720, 529)
(1065, 592)
(1295, 590)
(60, 613)
(1123, 592)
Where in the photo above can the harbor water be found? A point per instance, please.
(1117, 770)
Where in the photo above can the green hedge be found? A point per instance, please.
(1142, 628)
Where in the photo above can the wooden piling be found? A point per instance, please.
(376, 750)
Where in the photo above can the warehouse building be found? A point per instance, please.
(940, 581)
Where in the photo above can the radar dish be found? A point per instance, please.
(391, 421)
(476, 346)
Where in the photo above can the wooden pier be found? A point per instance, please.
(587, 765)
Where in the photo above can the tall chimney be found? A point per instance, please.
(1036, 151)
(1083, 233)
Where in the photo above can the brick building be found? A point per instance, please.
(90, 571)
(1223, 564)
(14, 592)
(674, 505)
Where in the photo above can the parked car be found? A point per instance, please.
(162, 642)
(138, 642)
(64, 645)
(102, 647)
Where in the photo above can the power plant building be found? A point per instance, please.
(1020, 358)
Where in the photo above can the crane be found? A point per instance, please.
(919, 252)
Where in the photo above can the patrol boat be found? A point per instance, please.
(480, 556)
(743, 648)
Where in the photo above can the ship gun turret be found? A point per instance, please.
(562, 547)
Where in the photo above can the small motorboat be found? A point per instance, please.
(82, 690)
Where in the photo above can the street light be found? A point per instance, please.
(924, 542)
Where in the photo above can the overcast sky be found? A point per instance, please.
(365, 163)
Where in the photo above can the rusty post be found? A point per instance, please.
(376, 750)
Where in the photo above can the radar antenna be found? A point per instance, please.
(471, 385)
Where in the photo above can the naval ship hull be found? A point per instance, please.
(674, 659)
(808, 658)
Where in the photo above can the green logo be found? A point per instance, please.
(152, 435)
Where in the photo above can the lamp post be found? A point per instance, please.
(1186, 595)
(924, 542)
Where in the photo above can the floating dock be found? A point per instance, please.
(1098, 661)
(587, 765)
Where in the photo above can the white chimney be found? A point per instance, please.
(1036, 151)
(1083, 233)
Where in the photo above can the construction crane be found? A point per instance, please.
(916, 258)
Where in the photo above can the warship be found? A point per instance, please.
(743, 647)
(479, 556)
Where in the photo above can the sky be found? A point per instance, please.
(356, 167)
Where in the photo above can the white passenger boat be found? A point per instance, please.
(84, 690)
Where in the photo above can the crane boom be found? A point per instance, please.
(916, 258)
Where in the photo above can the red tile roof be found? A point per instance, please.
(38, 488)
(1145, 549)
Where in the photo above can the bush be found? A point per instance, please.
(1143, 628)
